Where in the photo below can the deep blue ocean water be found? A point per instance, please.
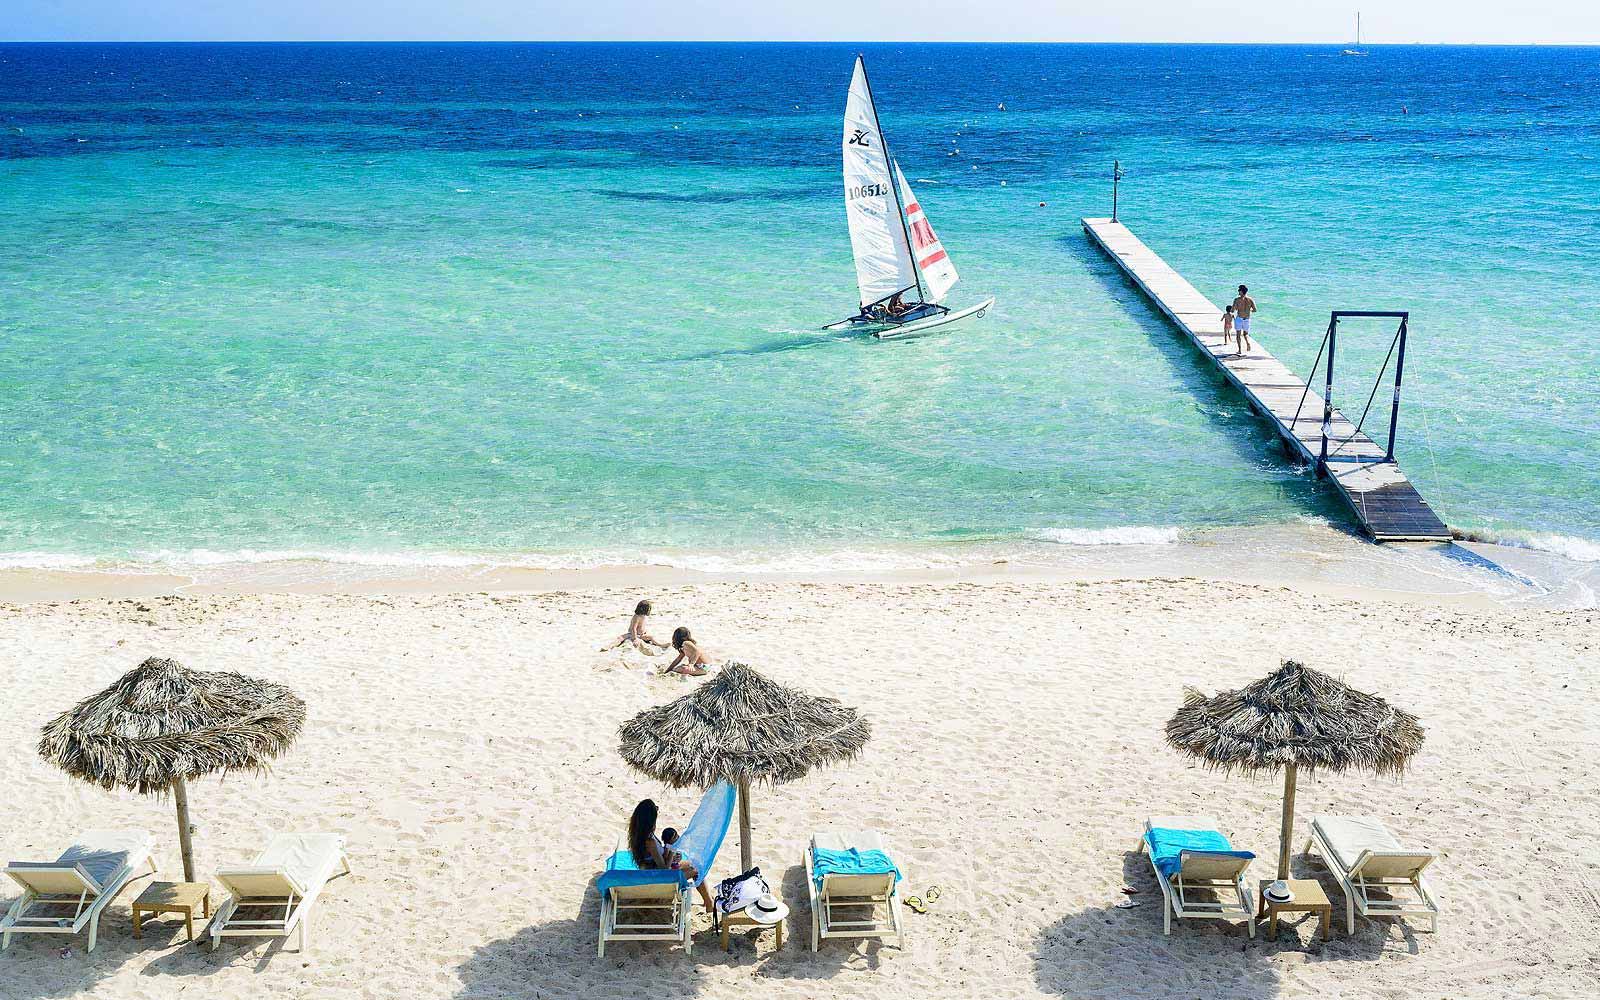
(564, 299)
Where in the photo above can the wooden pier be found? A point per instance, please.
(1389, 508)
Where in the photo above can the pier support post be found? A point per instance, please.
(1327, 400)
(1399, 369)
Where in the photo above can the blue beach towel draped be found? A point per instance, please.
(851, 862)
(1167, 846)
(698, 843)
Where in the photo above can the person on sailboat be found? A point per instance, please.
(897, 305)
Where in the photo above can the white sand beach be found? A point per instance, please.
(465, 744)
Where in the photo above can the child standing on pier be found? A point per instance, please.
(1227, 327)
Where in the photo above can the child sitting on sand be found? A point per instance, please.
(636, 636)
(692, 658)
(1227, 326)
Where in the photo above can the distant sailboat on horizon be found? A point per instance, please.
(1357, 50)
(896, 250)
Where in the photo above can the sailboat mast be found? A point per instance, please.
(1358, 29)
(893, 186)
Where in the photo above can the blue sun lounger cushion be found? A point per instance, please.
(1167, 846)
(851, 861)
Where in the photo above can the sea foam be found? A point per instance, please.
(1130, 535)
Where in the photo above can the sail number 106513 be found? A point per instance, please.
(868, 191)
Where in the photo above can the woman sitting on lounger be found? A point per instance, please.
(649, 852)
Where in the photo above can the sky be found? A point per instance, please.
(1317, 21)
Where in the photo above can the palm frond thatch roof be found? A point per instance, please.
(1300, 716)
(742, 727)
(162, 721)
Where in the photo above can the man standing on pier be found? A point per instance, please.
(1243, 308)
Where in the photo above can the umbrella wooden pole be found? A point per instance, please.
(744, 826)
(180, 795)
(1287, 835)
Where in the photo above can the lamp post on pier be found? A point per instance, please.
(1116, 178)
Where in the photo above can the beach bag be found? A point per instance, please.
(734, 894)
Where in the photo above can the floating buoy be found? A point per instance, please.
(1041, 204)
(1002, 107)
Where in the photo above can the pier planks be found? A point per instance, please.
(1385, 502)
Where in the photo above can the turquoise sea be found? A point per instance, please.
(562, 301)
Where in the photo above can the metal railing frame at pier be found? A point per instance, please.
(1329, 343)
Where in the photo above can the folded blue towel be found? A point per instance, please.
(621, 869)
(1167, 847)
(851, 862)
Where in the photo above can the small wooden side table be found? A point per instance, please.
(171, 897)
(1308, 898)
(731, 920)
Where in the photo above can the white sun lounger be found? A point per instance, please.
(1207, 885)
(652, 911)
(273, 896)
(852, 906)
(1381, 878)
(77, 886)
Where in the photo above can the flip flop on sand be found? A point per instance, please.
(933, 893)
(916, 904)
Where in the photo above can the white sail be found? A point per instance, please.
(877, 233)
(938, 273)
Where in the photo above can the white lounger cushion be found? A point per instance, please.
(1348, 836)
(840, 840)
(297, 861)
(98, 855)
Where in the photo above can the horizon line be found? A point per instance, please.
(768, 41)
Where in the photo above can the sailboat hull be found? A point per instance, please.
(923, 327)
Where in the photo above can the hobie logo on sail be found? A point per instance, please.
(869, 191)
(859, 139)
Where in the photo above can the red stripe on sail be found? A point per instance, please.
(933, 259)
(913, 207)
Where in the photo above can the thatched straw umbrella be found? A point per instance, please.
(741, 727)
(162, 724)
(1295, 718)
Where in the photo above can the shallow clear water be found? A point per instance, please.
(565, 298)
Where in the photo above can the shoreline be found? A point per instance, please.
(1310, 557)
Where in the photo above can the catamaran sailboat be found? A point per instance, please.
(901, 267)
(1358, 50)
